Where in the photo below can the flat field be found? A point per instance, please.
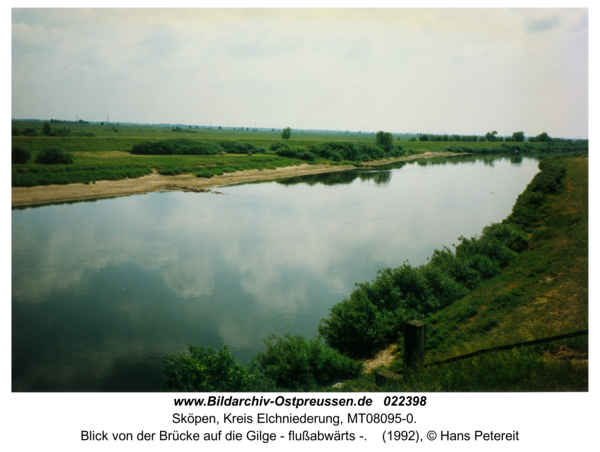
(102, 154)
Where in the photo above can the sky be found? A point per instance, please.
(463, 71)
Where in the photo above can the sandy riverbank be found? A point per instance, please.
(28, 196)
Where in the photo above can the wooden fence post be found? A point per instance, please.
(414, 345)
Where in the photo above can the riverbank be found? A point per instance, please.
(543, 293)
(47, 194)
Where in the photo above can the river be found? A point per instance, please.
(102, 290)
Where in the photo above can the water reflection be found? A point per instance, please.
(102, 290)
(378, 175)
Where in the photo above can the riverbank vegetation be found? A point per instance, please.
(113, 151)
(523, 279)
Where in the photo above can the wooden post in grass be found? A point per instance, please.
(414, 345)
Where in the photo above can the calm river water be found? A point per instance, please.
(102, 290)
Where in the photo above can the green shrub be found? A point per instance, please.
(205, 370)
(180, 146)
(20, 154)
(54, 156)
(29, 132)
(372, 316)
(297, 363)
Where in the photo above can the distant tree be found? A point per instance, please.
(385, 139)
(101, 123)
(15, 132)
(424, 137)
(47, 130)
(543, 137)
(519, 137)
(219, 127)
(286, 134)
(491, 136)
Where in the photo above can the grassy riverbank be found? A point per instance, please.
(542, 293)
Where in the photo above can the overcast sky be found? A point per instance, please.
(465, 71)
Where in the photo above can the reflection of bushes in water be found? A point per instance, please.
(379, 177)
(339, 178)
(488, 160)
(516, 159)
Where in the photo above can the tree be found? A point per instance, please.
(385, 139)
(286, 134)
(519, 137)
(491, 136)
(543, 137)
(47, 130)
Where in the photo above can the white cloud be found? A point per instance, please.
(394, 69)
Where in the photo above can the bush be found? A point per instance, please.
(373, 315)
(205, 370)
(241, 147)
(276, 145)
(179, 146)
(54, 156)
(20, 154)
(29, 132)
(297, 363)
(385, 140)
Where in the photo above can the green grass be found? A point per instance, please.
(106, 156)
(521, 369)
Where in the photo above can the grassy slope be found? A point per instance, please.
(543, 293)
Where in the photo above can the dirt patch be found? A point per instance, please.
(383, 358)
(25, 196)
